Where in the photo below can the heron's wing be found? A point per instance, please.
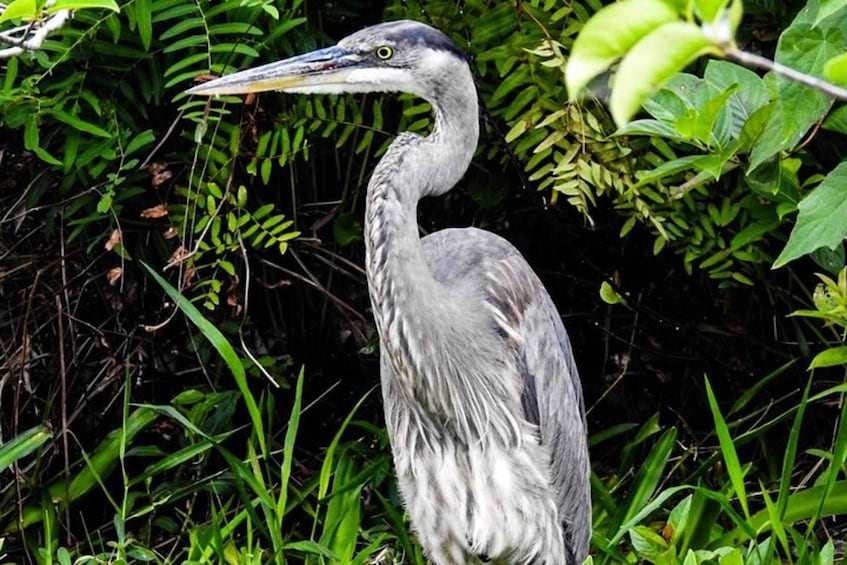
(552, 393)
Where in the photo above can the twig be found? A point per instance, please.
(757, 61)
(34, 41)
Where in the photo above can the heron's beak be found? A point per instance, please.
(321, 70)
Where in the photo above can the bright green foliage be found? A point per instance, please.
(22, 11)
(595, 50)
(651, 42)
(708, 522)
(643, 69)
(711, 119)
(822, 218)
(730, 119)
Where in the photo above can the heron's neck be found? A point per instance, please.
(406, 298)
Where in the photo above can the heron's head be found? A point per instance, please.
(401, 56)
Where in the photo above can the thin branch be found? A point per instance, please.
(753, 60)
(34, 35)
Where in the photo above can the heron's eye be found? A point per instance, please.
(384, 52)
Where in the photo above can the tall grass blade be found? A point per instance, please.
(775, 520)
(224, 348)
(288, 447)
(836, 463)
(730, 456)
(646, 480)
(802, 505)
(343, 515)
(98, 466)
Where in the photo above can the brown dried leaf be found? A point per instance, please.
(155, 212)
(161, 178)
(177, 257)
(114, 275)
(156, 167)
(206, 77)
(189, 275)
(113, 240)
(232, 300)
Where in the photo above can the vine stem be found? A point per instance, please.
(752, 60)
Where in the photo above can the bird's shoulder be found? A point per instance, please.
(485, 261)
(457, 254)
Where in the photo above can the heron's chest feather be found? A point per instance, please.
(484, 500)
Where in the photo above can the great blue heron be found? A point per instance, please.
(482, 399)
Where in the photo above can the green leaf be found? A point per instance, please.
(647, 544)
(830, 358)
(730, 456)
(797, 107)
(835, 69)
(82, 4)
(97, 467)
(143, 16)
(651, 62)
(827, 8)
(24, 10)
(347, 229)
(836, 120)
(802, 505)
(609, 295)
(22, 445)
(751, 94)
(288, 445)
(608, 35)
(822, 218)
(79, 124)
(651, 128)
(709, 10)
(224, 348)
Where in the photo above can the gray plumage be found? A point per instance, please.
(482, 399)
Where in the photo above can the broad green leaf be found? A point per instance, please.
(310, 547)
(700, 124)
(675, 98)
(709, 10)
(652, 128)
(837, 120)
(822, 218)
(608, 35)
(24, 10)
(750, 95)
(826, 8)
(830, 357)
(797, 107)
(82, 4)
(835, 69)
(22, 445)
(651, 62)
(647, 544)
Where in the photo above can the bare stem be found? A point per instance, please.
(753, 60)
